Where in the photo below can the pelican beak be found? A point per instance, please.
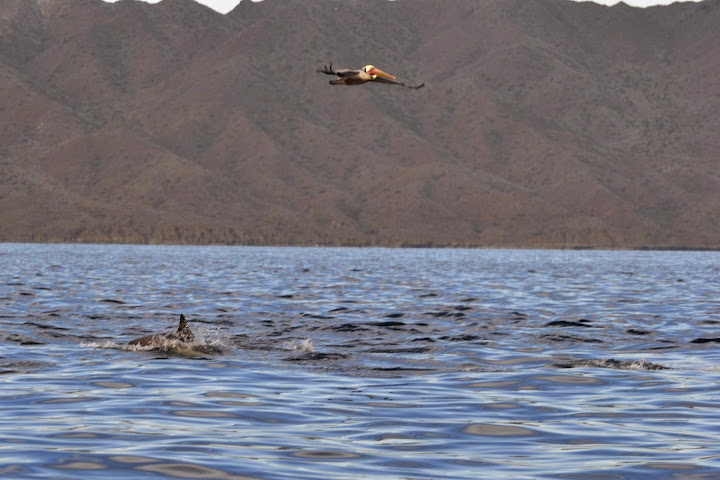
(380, 73)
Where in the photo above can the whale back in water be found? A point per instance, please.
(183, 335)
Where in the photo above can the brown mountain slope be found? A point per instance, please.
(542, 123)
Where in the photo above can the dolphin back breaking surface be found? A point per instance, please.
(180, 342)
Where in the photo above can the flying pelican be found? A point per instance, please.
(368, 73)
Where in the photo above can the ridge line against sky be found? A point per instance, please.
(224, 6)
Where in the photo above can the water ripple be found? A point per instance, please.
(359, 363)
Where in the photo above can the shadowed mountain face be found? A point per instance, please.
(542, 123)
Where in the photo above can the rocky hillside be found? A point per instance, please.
(542, 123)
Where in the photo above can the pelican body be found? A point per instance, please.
(368, 73)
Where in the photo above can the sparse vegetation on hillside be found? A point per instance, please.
(542, 123)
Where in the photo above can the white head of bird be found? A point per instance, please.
(376, 72)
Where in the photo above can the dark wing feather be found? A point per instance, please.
(327, 70)
(345, 72)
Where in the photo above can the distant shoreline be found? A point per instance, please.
(667, 248)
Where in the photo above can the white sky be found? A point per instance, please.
(224, 6)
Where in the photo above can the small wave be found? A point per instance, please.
(21, 366)
(571, 338)
(20, 339)
(635, 331)
(400, 350)
(347, 327)
(314, 356)
(706, 340)
(567, 323)
(388, 324)
(612, 363)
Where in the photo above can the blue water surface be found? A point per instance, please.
(349, 363)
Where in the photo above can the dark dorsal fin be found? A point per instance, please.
(183, 326)
(183, 331)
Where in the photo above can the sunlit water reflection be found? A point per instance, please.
(359, 363)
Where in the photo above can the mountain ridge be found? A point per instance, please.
(543, 123)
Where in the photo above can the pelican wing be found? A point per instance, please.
(345, 72)
(327, 70)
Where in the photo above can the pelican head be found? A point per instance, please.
(376, 72)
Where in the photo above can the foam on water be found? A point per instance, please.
(301, 345)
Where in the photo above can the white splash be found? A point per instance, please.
(300, 345)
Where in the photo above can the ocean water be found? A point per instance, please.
(333, 363)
